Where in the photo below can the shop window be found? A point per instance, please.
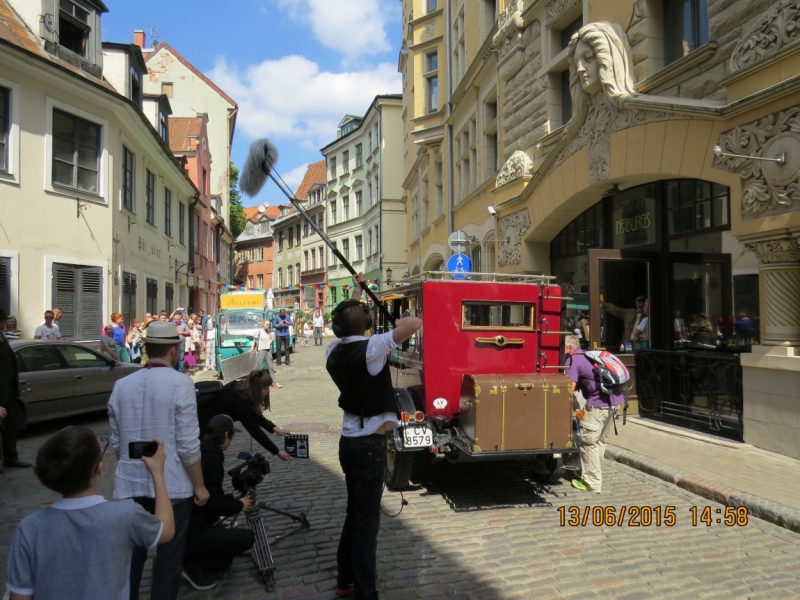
(583, 233)
(693, 206)
(634, 218)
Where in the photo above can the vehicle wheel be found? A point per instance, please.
(548, 470)
(398, 465)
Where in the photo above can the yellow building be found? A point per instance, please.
(628, 148)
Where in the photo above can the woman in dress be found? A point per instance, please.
(13, 332)
(190, 358)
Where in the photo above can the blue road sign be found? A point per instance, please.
(459, 266)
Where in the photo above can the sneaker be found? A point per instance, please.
(196, 577)
(345, 590)
(579, 484)
(276, 385)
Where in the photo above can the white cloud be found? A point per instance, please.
(352, 27)
(292, 99)
(294, 177)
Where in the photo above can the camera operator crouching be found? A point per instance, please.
(211, 547)
(245, 401)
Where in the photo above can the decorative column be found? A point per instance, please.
(779, 290)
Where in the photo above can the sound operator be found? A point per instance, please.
(359, 368)
(245, 402)
(210, 547)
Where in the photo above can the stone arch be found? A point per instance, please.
(435, 262)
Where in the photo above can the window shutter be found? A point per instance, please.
(129, 297)
(64, 286)
(90, 303)
(5, 284)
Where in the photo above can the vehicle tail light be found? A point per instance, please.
(419, 416)
(405, 417)
(580, 414)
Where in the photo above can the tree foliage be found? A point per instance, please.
(238, 218)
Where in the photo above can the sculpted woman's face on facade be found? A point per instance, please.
(587, 68)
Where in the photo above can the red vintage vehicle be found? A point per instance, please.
(481, 381)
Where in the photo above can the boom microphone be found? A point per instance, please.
(257, 168)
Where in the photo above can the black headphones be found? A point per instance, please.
(336, 326)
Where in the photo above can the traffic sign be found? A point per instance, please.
(458, 241)
(459, 266)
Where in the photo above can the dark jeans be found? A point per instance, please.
(168, 564)
(282, 341)
(215, 548)
(14, 421)
(181, 366)
(318, 336)
(363, 461)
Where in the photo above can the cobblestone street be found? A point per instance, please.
(471, 531)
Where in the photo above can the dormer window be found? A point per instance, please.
(264, 227)
(73, 27)
(136, 85)
(163, 126)
(249, 229)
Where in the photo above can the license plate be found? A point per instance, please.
(417, 436)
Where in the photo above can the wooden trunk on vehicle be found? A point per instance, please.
(525, 411)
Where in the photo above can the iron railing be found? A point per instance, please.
(702, 390)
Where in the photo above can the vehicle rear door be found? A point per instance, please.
(45, 382)
(93, 377)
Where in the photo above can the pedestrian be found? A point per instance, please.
(210, 547)
(630, 317)
(135, 342)
(319, 324)
(245, 401)
(600, 411)
(121, 337)
(13, 332)
(281, 322)
(12, 410)
(147, 322)
(48, 330)
(190, 353)
(155, 402)
(81, 546)
(203, 318)
(262, 345)
(359, 368)
(211, 345)
(108, 345)
(184, 332)
(306, 331)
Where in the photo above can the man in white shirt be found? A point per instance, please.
(48, 330)
(319, 323)
(157, 402)
(359, 368)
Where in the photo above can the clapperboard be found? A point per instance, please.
(296, 445)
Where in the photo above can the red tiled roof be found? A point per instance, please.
(188, 65)
(314, 174)
(272, 212)
(181, 129)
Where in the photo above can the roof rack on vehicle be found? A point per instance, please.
(499, 277)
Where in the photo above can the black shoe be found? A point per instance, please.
(288, 364)
(196, 577)
(15, 462)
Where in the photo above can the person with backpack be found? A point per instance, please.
(600, 384)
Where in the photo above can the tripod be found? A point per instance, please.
(261, 552)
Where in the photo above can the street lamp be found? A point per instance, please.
(388, 275)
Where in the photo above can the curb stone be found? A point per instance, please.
(772, 512)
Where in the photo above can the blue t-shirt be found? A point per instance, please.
(118, 334)
(281, 324)
(79, 548)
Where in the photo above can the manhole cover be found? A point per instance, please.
(308, 427)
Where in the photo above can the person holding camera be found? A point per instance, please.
(245, 401)
(359, 368)
(212, 547)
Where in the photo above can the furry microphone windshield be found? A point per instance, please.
(260, 160)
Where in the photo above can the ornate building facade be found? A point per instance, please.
(628, 148)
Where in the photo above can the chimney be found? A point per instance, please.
(139, 38)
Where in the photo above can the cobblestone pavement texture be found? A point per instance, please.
(471, 531)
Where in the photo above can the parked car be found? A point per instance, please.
(57, 379)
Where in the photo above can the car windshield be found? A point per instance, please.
(242, 321)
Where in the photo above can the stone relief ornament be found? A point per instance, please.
(556, 8)
(508, 40)
(600, 83)
(516, 166)
(768, 187)
(510, 230)
(784, 250)
(776, 29)
(430, 29)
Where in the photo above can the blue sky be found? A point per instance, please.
(295, 67)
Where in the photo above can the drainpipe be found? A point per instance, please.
(380, 198)
(448, 111)
(192, 204)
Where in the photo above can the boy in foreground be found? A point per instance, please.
(81, 546)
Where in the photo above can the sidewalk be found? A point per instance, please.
(726, 472)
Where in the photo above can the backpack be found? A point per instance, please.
(610, 369)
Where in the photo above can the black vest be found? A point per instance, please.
(360, 393)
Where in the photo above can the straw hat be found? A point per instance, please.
(161, 332)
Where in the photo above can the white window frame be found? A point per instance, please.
(102, 185)
(12, 175)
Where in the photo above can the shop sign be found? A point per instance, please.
(634, 218)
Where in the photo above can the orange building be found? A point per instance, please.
(188, 139)
(254, 249)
